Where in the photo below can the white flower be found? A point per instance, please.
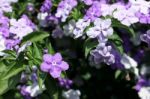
(144, 93)
(128, 62)
(140, 5)
(126, 16)
(2, 44)
(5, 6)
(34, 90)
(101, 27)
(20, 28)
(68, 29)
(72, 94)
(41, 17)
(80, 27)
(107, 9)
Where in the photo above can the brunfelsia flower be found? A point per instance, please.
(64, 8)
(93, 12)
(146, 37)
(68, 29)
(2, 43)
(102, 28)
(65, 82)
(144, 93)
(20, 27)
(142, 6)
(126, 16)
(46, 6)
(128, 62)
(80, 26)
(54, 64)
(72, 94)
(143, 18)
(103, 53)
(57, 33)
(32, 90)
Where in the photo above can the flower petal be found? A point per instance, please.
(45, 67)
(47, 58)
(64, 65)
(57, 57)
(55, 72)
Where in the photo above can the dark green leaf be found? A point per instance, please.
(35, 36)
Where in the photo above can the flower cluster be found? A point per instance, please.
(111, 34)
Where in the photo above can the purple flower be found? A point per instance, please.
(10, 43)
(57, 33)
(142, 83)
(103, 53)
(145, 19)
(117, 64)
(64, 8)
(30, 7)
(65, 82)
(146, 37)
(20, 27)
(93, 12)
(46, 6)
(54, 64)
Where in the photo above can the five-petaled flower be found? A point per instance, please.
(54, 64)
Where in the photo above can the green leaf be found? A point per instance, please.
(117, 74)
(36, 51)
(89, 45)
(49, 47)
(12, 71)
(117, 41)
(76, 14)
(41, 78)
(8, 84)
(35, 36)
(116, 23)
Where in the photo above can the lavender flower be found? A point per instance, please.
(20, 27)
(32, 90)
(144, 93)
(72, 94)
(101, 29)
(145, 19)
(54, 65)
(30, 7)
(68, 29)
(93, 12)
(46, 6)
(65, 82)
(42, 19)
(64, 8)
(58, 32)
(128, 62)
(102, 53)
(142, 83)
(2, 43)
(88, 2)
(5, 6)
(126, 16)
(80, 26)
(146, 37)
(142, 6)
